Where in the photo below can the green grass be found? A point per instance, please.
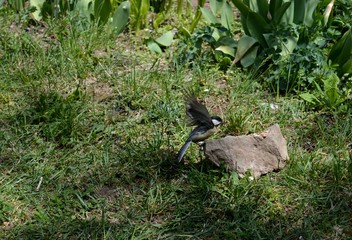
(102, 126)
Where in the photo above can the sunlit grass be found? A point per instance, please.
(102, 126)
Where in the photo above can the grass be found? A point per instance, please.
(101, 121)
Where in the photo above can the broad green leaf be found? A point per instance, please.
(227, 16)
(18, 5)
(346, 53)
(327, 13)
(102, 10)
(288, 46)
(179, 7)
(317, 86)
(83, 7)
(250, 57)
(280, 11)
(347, 67)
(213, 6)
(244, 14)
(310, 98)
(241, 7)
(243, 46)
(341, 52)
(197, 16)
(121, 17)
(227, 41)
(216, 6)
(160, 17)
(140, 9)
(166, 10)
(336, 50)
(288, 15)
(274, 5)
(343, 49)
(244, 24)
(216, 34)
(209, 16)
(311, 5)
(153, 46)
(144, 7)
(184, 31)
(253, 5)
(227, 50)
(331, 90)
(331, 82)
(165, 39)
(38, 4)
(299, 11)
(263, 8)
(257, 26)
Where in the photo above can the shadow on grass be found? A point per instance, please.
(141, 194)
(201, 214)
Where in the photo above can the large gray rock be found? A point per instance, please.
(256, 153)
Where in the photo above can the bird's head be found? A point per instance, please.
(216, 121)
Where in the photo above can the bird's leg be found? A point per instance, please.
(201, 148)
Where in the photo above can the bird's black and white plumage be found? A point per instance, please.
(197, 115)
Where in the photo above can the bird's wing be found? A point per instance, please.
(197, 113)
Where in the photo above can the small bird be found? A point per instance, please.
(198, 115)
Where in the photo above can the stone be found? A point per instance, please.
(257, 153)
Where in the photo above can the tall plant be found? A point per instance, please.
(261, 21)
(101, 12)
(341, 54)
(139, 12)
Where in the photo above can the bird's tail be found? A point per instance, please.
(182, 151)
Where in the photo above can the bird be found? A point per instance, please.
(197, 115)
